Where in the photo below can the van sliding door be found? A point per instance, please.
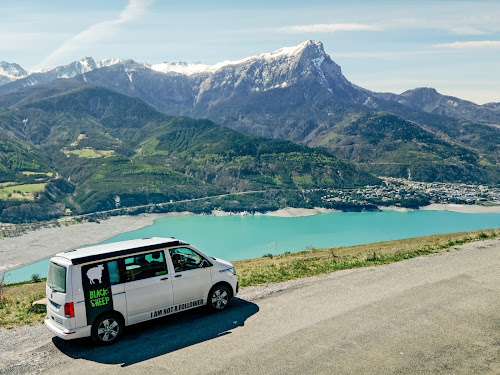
(148, 285)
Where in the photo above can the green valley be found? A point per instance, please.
(99, 150)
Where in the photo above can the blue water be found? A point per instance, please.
(244, 237)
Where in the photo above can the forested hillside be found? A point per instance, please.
(91, 149)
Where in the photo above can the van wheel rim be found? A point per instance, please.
(220, 299)
(108, 330)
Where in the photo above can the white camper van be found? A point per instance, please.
(96, 291)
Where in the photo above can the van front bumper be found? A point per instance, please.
(67, 334)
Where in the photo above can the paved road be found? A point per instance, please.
(438, 314)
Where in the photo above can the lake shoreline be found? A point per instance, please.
(46, 242)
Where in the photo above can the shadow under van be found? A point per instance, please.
(161, 336)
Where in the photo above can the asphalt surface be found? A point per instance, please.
(437, 314)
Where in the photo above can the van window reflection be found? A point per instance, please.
(185, 259)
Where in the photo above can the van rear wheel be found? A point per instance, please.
(219, 298)
(107, 329)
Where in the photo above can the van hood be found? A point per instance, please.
(223, 263)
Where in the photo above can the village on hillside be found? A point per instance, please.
(408, 193)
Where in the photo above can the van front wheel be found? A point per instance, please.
(219, 298)
(107, 329)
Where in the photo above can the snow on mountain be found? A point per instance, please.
(10, 72)
(195, 89)
(18, 77)
(192, 89)
(261, 72)
(199, 68)
(85, 65)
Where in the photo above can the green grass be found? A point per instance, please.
(90, 153)
(30, 173)
(489, 204)
(16, 304)
(21, 192)
(266, 270)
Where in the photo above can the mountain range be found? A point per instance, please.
(296, 93)
(196, 87)
(152, 118)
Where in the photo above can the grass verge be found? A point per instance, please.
(274, 269)
(16, 304)
(16, 299)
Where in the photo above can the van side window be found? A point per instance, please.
(137, 267)
(187, 259)
(114, 275)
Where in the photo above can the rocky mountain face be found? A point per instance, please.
(25, 79)
(430, 101)
(11, 72)
(201, 91)
(492, 106)
(195, 88)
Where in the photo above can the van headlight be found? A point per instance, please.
(232, 270)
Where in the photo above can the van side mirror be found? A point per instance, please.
(205, 263)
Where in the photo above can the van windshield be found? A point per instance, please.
(56, 278)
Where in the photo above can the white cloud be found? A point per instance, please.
(97, 32)
(329, 28)
(466, 30)
(471, 44)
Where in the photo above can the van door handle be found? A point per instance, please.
(165, 278)
(178, 275)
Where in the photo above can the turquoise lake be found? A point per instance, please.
(244, 237)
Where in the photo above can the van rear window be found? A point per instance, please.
(56, 278)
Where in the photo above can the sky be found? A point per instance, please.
(384, 46)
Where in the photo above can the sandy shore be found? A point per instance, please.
(462, 208)
(297, 212)
(395, 208)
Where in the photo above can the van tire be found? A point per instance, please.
(219, 298)
(107, 329)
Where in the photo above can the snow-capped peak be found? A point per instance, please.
(198, 68)
(181, 67)
(83, 66)
(12, 71)
(89, 63)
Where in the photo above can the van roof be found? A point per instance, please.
(99, 252)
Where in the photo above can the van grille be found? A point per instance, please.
(58, 320)
(57, 306)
